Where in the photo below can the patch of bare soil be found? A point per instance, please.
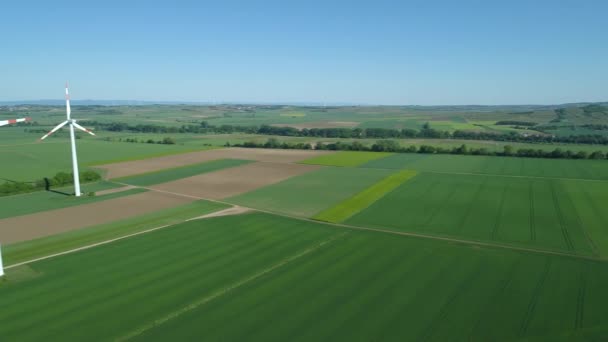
(28, 227)
(130, 168)
(234, 181)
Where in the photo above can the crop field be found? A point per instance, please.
(138, 167)
(320, 245)
(544, 213)
(33, 161)
(60, 242)
(167, 175)
(525, 167)
(346, 158)
(132, 203)
(34, 202)
(235, 180)
(209, 276)
(310, 193)
(365, 198)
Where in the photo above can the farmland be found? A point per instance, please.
(346, 158)
(512, 166)
(334, 276)
(44, 200)
(308, 194)
(534, 212)
(362, 200)
(167, 175)
(437, 247)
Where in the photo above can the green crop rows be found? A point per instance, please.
(260, 277)
(546, 213)
(29, 250)
(365, 198)
(310, 193)
(532, 167)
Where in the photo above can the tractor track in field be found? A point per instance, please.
(337, 225)
(202, 301)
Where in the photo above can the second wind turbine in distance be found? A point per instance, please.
(72, 123)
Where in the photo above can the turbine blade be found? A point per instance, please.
(82, 128)
(12, 121)
(68, 110)
(54, 129)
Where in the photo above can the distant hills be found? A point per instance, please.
(57, 102)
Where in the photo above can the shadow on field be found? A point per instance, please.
(47, 187)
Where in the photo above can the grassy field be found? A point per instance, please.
(530, 167)
(543, 213)
(365, 198)
(28, 250)
(33, 161)
(346, 158)
(308, 194)
(168, 175)
(47, 200)
(227, 278)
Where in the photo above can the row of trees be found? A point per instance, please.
(393, 146)
(60, 179)
(375, 133)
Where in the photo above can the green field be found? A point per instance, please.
(414, 247)
(168, 175)
(48, 200)
(531, 167)
(542, 213)
(29, 250)
(33, 161)
(365, 198)
(227, 278)
(310, 193)
(346, 158)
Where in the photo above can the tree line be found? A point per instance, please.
(393, 146)
(60, 179)
(426, 132)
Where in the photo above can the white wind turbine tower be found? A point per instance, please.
(72, 123)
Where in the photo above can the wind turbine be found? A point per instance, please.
(12, 121)
(72, 123)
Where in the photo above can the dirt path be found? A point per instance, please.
(236, 210)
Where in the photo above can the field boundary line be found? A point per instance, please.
(404, 233)
(341, 225)
(228, 289)
(89, 246)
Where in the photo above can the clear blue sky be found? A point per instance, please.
(375, 52)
